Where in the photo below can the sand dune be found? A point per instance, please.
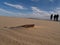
(43, 33)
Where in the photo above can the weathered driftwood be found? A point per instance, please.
(24, 26)
(28, 25)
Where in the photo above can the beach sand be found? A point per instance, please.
(43, 33)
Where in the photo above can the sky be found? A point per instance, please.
(29, 8)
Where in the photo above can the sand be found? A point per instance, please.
(43, 33)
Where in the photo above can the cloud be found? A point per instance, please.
(36, 13)
(57, 11)
(15, 6)
(51, 0)
(39, 0)
(39, 13)
(4, 12)
(8, 13)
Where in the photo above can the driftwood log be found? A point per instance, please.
(24, 26)
(28, 25)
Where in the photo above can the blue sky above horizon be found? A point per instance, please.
(29, 8)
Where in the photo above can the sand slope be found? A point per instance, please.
(44, 32)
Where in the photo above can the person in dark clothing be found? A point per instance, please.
(57, 16)
(51, 16)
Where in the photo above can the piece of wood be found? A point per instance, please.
(28, 25)
(24, 26)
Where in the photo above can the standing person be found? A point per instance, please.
(51, 16)
(57, 16)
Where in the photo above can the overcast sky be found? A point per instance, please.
(29, 8)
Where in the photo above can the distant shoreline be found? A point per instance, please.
(31, 18)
